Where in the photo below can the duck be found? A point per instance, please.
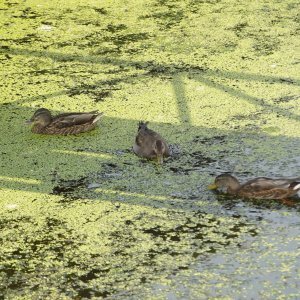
(63, 124)
(258, 188)
(149, 144)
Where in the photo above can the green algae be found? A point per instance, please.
(228, 100)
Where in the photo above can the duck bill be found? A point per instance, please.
(160, 159)
(212, 186)
(28, 122)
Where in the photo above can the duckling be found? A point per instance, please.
(150, 144)
(258, 188)
(63, 124)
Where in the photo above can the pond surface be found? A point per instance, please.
(81, 216)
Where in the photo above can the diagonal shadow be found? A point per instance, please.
(175, 71)
(182, 104)
(75, 89)
(151, 66)
(251, 99)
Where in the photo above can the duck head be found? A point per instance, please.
(226, 182)
(143, 125)
(41, 117)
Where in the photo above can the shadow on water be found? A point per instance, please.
(151, 68)
(111, 174)
(231, 202)
(121, 179)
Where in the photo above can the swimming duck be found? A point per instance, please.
(150, 144)
(258, 188)
(63, 124)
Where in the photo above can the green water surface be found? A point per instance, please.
(81, 216)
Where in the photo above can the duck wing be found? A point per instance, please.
(265, 183)
(73, 119)
(147, 137)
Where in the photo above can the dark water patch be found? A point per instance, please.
(188, 227)
(198, 231)
(102, 95)
(84, 291)
(110, 171)
(93, 274)
(88, 293)
(98, 92)
(121, 40)
(239, 28)
(44, 72)
(121, 152)
(181, 170)
(67, 11)
(88, 22)
(165, 241)
(11, 3)
(116, 40)
(184, 196)
(255, 116)
(287, 80)
(240, 117)
(115, 71)
(115, 28)
(33, 242)
(82, 188)
(70, 189)
(111, 165)
(166, 71)
(158, 71)
(28, 13)
(185, 163)
(200, 159)
(197, 2)
(106, 51)
(100, 10)
(64, 44)
(152, 68)
(285, 99)
(194, 233)
(166, 19)
(14, 223)
(27, 39)
(6, 57)
(48, 22)
(219, 139)
(175, 151)
(265, 45)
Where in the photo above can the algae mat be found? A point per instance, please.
(81, 216)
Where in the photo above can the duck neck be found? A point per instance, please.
(234, 186)
(38, 128)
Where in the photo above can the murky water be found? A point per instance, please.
(82, 217)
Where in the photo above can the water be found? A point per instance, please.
(82, 217)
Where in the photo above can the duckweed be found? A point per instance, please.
(81, 216)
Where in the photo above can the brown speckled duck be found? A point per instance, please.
(63, 124)
(258, 188)
(150, 144)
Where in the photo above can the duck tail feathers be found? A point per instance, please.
(295, 185)
(98, 117)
